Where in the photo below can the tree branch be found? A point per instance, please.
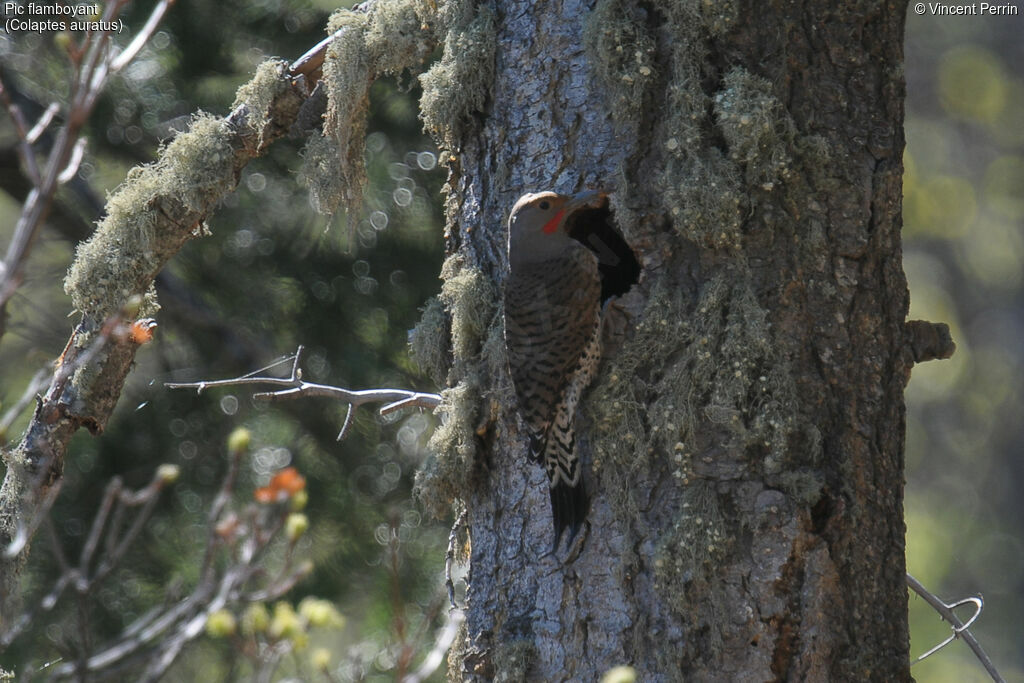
(154, 213)
(296, 387)
(89, 78)
(960, 629)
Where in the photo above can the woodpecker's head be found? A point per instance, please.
(536, 226)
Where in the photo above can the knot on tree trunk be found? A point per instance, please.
(928, 341)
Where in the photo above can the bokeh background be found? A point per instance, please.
(274, 275)
(963, 213)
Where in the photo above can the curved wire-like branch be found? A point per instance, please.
(295, 387)
(960, 628)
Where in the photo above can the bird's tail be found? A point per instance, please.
(569, 504)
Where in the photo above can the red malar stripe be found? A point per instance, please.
(552, 225)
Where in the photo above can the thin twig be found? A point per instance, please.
(90, 78)
(34, 386)
(43, 123)
(296, 387)
(140, 39)
(960, 629)
(444, 639)
(25, 137)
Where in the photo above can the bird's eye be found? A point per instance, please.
(544, 205)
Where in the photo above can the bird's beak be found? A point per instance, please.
(589, 199)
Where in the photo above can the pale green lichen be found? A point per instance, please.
(447, 471)
(429, 341)
(470, 301)
(697, 187)
(127, 250)
(268, 83)
(470, 297)
(702, 193)
(512, 659)
(391, 36)
(756, 128)
(458, 85)
(694, 545)
(687, 369)
(617, 35)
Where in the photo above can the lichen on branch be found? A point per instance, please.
(387, 38)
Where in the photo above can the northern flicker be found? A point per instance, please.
(553, 337)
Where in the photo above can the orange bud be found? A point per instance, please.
(288, 480)
(142, 330)
(265, 494)
(283, 485)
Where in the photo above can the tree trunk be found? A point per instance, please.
(743, 444)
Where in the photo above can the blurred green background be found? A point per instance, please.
(274, 275)
(963, 213)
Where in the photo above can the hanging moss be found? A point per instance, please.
(756, 128)
(429, 341)
(447, 472)
(457, 86)
(391, 36)
(694, 545)
(257, 95)
(470, 297)
(471, 303)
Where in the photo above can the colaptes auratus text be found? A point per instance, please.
(553, 337)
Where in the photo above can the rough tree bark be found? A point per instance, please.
(744, 445)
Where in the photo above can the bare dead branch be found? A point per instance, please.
(142, 37)
(34, 386)
(160, 635)
(43, 123)
(25, 137)
(74, 399)
(296, 387)
(443, 640)
(960, 629)
(310, 64)
(88, 81)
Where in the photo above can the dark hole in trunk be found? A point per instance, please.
(594, 228)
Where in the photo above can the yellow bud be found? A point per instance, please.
(286, 623)
(295, 526)
(320, 613)
(620, 674)
(238, 441)
(299, 500)
(321, 659)
(167, 473)
(300, 641)
(220, 624)
(256, 619)
(62, 40)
